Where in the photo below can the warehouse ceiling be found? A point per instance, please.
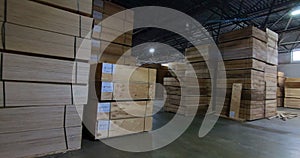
(221, 16)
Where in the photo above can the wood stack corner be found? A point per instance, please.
(292, 93)
(45, 49)
(112, 34)
(250, 57)
(280, 89)
(123, 103)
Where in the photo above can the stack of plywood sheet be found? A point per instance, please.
(249, 60)
(271, 74)
(125, 101)
(45, 49)
(112, 33)
(173, 89)
(191, 93)
(280, 89)
(292, 93)
(197, 57)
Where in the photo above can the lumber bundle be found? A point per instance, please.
(280, 89)
(250, 58)
(292, 93)
(182, 94)
(112, 33)
(124, 103)
(45, 50)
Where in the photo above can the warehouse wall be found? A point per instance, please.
(285, 65)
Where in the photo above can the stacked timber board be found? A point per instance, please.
(200, 93)
(175, 99)
(250, 57)
(280, 89)
(44, 77)
(124, 101)
(112, 33)
(292, 93)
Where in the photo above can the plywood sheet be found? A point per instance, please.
(123, 110)
(80, 94)
(83, 6)
(29, 94)
(126, 126)
(82, 73)
(243, 33)
(42, 17)
(28, 68)
(32, 143)
(83, 49)
(74, 115)
(28, 40)
(31, 118)
(74, 136)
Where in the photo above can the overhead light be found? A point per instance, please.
(296, 12)
(166, 65)
(151, 50)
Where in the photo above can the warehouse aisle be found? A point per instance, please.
(264, 138)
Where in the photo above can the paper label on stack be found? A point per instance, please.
(104, 107)
(97, 15)
(107, 68)
(107, 87)
(97, 28)
(103, 125)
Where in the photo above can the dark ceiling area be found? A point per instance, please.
(221, 16)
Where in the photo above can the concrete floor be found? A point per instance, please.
(229, 139)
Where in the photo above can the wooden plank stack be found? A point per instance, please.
(203, 88)
(250, 58)
(124, 101)
(292, 93)
(280, 89)
(111, 39)
(44, 77)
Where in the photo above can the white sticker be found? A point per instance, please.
(103, 125)
(97, 28)
(107, 87)
(103, 107)
(232, 114)
(107, 68)
(96, 43)
(97, 15)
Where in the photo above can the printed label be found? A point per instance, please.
(232, 114)
(97, 28)
(97, 15)
(107, 68)
(103, 125)
(104, 107)
(107, 87)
